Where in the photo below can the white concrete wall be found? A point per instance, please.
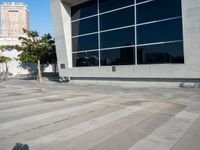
(191, 30)
(61, 15)
(50, 68)
(14, 67)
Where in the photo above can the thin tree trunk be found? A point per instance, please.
(55, 68)
(4, 73)
(40, 80)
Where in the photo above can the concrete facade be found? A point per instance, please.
(191, 34)
(14, 67)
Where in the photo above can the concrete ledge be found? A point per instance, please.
(139, 83)
(160, 71)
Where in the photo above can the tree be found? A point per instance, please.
(36, 50)
(50, 57)
(4, 60)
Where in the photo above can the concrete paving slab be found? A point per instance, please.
(61, 136)
(104, 133)
(7, 143)
(190, 140)
(167, 135)
(98, 117)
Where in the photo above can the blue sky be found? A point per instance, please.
(40, 15)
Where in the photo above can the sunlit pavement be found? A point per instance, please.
(63, 116)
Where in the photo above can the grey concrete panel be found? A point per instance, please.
(191, 31)
(179, 71)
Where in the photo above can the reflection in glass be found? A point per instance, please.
(85, 26)
(106, 5)
(121, 37)
(158, 9)
(138, 1)
(89, 42)
(160, 32)
(118, 18)
(83, 10)
(161, 54)
(86, 59)
(120, 56)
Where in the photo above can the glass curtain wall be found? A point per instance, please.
(127, 32)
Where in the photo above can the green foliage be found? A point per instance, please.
(34, 48)
(4, 47)
(4, 59)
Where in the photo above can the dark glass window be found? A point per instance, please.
(88, 42)
(120, 56)
(160, 54)
(122, 37)
(118, 18)
(106, 5)
(85, 26)
(83, 10)
(158, 9)
(159, 32)
(86, 59)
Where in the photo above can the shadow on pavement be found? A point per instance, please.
(20, 146)
(46, 76)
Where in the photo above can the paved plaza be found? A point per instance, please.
(71, 116)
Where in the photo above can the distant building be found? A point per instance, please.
(13, 18)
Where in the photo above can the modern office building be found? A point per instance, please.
(146, 39)
(13, 18)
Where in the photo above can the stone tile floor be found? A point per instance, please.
(67, 116)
